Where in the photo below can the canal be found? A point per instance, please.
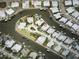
(9, 28)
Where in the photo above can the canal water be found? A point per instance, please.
(9, 28)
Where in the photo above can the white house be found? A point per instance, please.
(41, 40)
(54, 3)
(2, 13)
(30, 19)
(37, 4)
(75, 26)
(45, 27)
(69, 23)
(63, 19)
(25, 4)
(9, 43)
(75, 14)
(56, 34)
(70, 10)
(46, 3)
(75, 2)
(65, 52)
(16, 48)
(50, 30)
(25, 52)
(9, 11)
(15, 4)
(62, 37)
(33, 55)
(77, 47)
(57, 15)
(68, 3)
(68, 41)
(78, 18)
(50, 44)
(39, 22)
(54, 9)
(22, 25)
(57, 48)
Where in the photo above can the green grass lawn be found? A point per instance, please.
(27, 34)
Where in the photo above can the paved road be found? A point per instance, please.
(9, 28)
